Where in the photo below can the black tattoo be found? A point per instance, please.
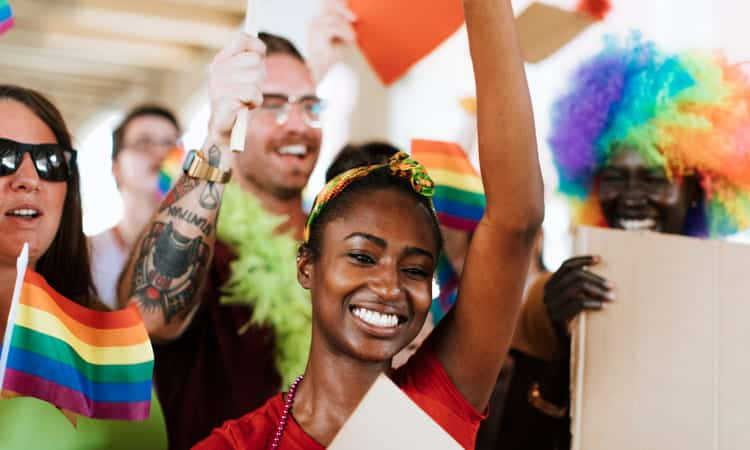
(169, 270)
(192, 218)
(210, 195)
(183, 187)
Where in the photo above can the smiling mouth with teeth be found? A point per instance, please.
(23, 213)
(294, 150)
(377, 319)
(637, 224)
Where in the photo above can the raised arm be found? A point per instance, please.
(171, 259)
(474, 339)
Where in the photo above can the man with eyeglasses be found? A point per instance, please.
(140, 143)
(219, 294)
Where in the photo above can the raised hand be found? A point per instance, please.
(235, 81)
(328, 35)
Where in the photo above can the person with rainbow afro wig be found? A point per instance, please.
(642, 140)
(686, 114)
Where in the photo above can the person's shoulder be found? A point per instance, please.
(250, 431)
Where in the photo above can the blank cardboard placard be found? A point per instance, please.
(386, 418)
(545, 29)
(395, 34)
(666, 365)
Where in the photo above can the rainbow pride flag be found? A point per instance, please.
(169, 171)
(95, 364)
(459, 194)
(459, 203)
(6, 17)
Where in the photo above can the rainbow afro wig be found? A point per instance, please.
(687, 113)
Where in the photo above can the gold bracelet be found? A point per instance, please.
(550, 409)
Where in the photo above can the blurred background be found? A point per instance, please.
(97, 58)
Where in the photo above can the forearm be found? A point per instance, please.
(507, 138)
(475, 339)
(170, 260)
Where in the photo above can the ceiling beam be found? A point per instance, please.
(61, 64)
(147, 25)
(106, 51)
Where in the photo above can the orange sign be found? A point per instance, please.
(395, 34)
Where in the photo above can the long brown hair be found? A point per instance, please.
(65, 265)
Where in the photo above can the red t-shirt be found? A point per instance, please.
(423, 379)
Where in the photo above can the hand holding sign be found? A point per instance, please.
(237, 141)
(328, 35)
(235, 83)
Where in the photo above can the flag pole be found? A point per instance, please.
(237, 139)
(21, 264)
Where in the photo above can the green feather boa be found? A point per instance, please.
(265, 277)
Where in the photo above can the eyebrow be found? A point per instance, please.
(380, 242)
(279, 95)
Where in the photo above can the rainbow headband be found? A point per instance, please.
(401, 165)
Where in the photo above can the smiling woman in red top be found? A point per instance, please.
(372, 242)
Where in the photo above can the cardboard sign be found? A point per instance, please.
(395, 34)
(545, 29)
(665, 366)
(386, 418)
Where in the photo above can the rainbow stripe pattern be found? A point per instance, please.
(95, 364)
(459, 195)
(170, 170)
(686, 113)
(459, 203)
(6, 17)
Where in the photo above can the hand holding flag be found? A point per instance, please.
(92, 363)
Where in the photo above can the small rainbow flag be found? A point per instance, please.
(459, 203)
(459, 193)
(170, 170)
(6, 17)
(95, 364)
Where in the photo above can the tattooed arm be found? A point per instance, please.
(169, 263)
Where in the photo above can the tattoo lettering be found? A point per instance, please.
(192, 218)
(183, 187)
(169, 270)
(210, 195)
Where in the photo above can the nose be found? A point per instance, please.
(386, 284)
(25, 179)
(295, 121)
(634, 194)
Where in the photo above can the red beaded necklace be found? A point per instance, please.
(286, 413)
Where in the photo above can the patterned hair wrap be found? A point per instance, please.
(400, 166)
(686, 113)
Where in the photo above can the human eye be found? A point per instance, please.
(657, 176)
(274, 102)
(418, 273)
(360, 257)
(313, 106)
(611, 176)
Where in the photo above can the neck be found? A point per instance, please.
(333, 386)
(138, 210)
(290, 207)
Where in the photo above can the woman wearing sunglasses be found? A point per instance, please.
(40, 203)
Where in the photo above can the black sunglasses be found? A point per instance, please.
(53, 162)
